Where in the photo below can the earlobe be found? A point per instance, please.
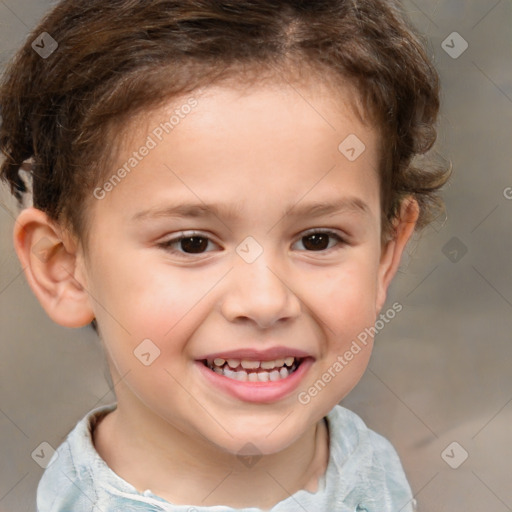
(392, 252)
(49, 260)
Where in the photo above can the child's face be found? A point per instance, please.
(254, 156)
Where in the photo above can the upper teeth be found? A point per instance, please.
(251, 364)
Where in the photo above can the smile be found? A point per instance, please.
(253, 380)
(246, 370)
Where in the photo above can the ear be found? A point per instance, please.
(53, 270)
(391, 253)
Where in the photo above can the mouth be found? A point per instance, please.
(254, 371)
(253, 380)
(248, 370)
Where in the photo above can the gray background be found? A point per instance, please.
(440, 372)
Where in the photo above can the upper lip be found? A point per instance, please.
(269, 354)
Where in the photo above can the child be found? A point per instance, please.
(224, 190)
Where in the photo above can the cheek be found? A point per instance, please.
(346, 297)
(345, 304)
(132, 286)
(144, 298)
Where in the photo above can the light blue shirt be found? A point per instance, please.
(364, 474)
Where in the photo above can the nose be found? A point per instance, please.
(257, 293)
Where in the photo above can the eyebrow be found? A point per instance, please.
(232, 212)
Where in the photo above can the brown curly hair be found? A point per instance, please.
(117, 58)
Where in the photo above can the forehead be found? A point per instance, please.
(294, 95)
(275, 142)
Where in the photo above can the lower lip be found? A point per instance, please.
(258, 392)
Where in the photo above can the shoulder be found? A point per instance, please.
(68, 482)
(371, 457)
(350, 431)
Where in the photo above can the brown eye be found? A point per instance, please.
(193, 244)
(321, 241)
(188, 244)
(316, 242)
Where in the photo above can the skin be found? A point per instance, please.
(265, 150)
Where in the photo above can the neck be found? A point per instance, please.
(187, 470)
